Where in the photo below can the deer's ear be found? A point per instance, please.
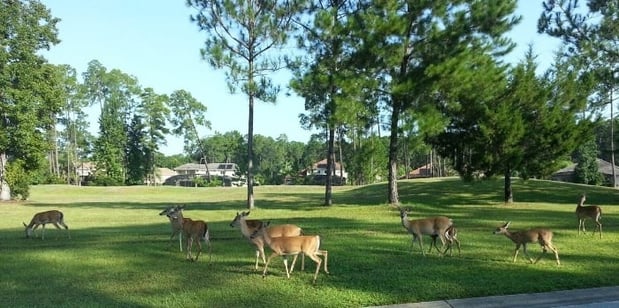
(507, 224)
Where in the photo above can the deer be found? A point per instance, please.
(54, 217)
(591, 211)
(522, 238)
(249, 226)
(176, 225)
(433, 226)
(293, 245)
(451, 237)
(193, 230)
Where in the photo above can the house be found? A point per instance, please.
(605, 168)
(162, 174)
(214, 169)
(85, 169)
(424, 171)
(318, 172)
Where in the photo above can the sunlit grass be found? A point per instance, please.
(120, 253)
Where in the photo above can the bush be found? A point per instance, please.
(18, 180)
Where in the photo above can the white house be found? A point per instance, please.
(214, 169)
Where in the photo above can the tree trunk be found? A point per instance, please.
(612, 139)
(509, 196)
(5, 190)
(250, 155)
(393, 155)
(330, 164)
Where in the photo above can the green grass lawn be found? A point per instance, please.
(120, 253)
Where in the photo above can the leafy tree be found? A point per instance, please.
(172, 161)
(116, 94)
(27, 27)
(75, 139)
(186, 116)
(241, 37)
(403, 40)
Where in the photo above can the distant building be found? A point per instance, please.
(318, 172)
(605, 168)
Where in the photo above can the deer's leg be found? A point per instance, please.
(266, 265)
(199, 249)
(524, 249)
(180, 240)
(258, 258)
(42, 231)
(598, 227)
(286, 266)
(324, 253)
(189, 244)
(66, 228)
(318, 262)
(516, 252)
(420, 241)
(458, 245)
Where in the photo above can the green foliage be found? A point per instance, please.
(28, 86)
(18, 178)
(586, 170)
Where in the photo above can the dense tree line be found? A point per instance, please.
(392, 85)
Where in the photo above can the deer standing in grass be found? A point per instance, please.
(293, 245)
(451, 237)
(591, 211)
(522, 238)
(177, 226)
(433, 226)
(194, 231)
(54, 217)
(249, 226)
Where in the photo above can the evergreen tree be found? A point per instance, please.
(137, 158)
(407, 46)
(586, 170)
(242, 36)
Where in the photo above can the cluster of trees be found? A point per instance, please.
(431, 74)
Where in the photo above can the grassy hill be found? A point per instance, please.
(120, 253)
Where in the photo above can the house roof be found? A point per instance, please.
(211, 166)
(165, 172)
(604, 167)
(323, 164)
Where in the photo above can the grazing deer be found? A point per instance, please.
(54, 217)
(591, 211)
(249, 226)
(194, 231)
(433, 226)
(293, 245)
(451, 236)
(521, 238)
(177, 226)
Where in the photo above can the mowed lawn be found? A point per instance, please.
(120, 253)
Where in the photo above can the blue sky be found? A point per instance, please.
(155, 42)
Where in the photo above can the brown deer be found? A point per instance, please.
(293, 245)
(451, 237)
(433, 226)
(522, 238)
(194, 231)
(591, 211)
(54, 217)
(177, 226)
(249, 226)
